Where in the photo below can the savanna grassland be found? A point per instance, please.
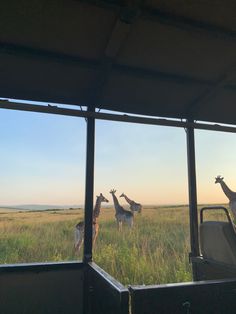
(154, 251)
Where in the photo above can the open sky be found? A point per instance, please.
(42, 161)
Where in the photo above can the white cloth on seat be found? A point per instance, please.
(218, 241)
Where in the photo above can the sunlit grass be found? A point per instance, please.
(155, 251)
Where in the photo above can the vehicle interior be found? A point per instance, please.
(169, 63)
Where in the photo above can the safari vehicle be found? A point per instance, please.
(168, 63)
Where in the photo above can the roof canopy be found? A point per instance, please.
(170, 58)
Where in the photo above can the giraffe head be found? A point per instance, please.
(113, 191)
(219, 179)
(102, 198)
(122, 195)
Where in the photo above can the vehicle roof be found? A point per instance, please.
(170, 58)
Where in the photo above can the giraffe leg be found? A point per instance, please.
(78, 245)
(79, 238)
(131, 223)
(118, 224)
(95, 233)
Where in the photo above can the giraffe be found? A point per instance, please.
(229, 194)
(79, 228)
(122, 215)
(135, 207)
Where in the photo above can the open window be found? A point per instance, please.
(42, 186)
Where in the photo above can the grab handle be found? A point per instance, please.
(215, 208)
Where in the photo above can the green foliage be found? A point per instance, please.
(155, 251)
(42, 242)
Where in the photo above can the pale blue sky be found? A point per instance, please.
(42, 161)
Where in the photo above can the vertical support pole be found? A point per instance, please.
(89, 187)
(193, 212)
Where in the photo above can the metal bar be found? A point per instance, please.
(114, 117)
(51, 109)
(37, 267)
(215, 208)
(89, 186)
(45, 55)
(193, 212)
(187, 23)
(169, 18)
(155, 74)
(143, 288)
(116, 285)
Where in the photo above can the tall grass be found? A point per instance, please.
(42, 242)
(154, 251)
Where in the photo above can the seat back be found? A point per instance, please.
(218, 241)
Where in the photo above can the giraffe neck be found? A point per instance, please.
(128, 200)
(230, 194)
(97, 208)
(116, 203)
